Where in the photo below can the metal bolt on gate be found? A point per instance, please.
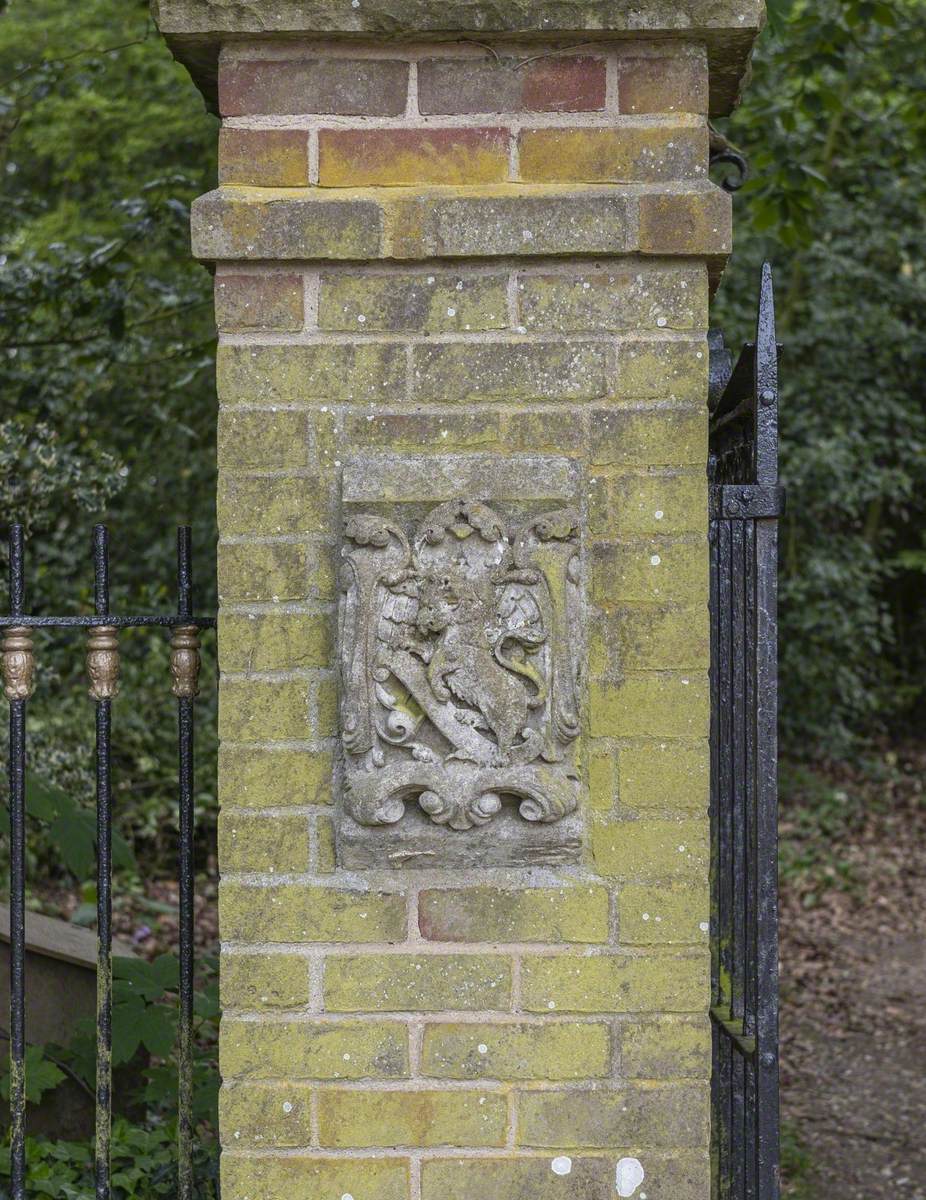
(18, 669)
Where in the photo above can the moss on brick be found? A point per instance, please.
(633, 1116)
(650, 571)
(422, 1119)
(274, 641)
(301, 913)
(666, 1048)
(301, 374)
(416, 983)
(670, 913)
(250, 841)
(261, 573)
(262, 439)
(522, 371)
(423, 302)
(648, 849)
(250, 778)
(313, 1049)
(614, 298)
(664, 638)
(313, 1177)
(618, 154)
(268, 1116)
(664, 775)
(253, 712)
(550, 1051)
(657, 438)
(271, 505)
(615, 983)
(256, 982)
(567, 914)
(651, 704)
(516, 1179)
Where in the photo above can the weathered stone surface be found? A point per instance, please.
(403, 477)
(551, 1051)
(670, 913)
(398, 157)
(569, 83)
(266, 158)
(522, 220)
(619, 154)
(252, 778)
(459, 669)
(259, 302)
(614, 297)
(300, 913)
(570, 914)
(513, 222)
(614, 983)
(313, 1049)
(416, 983)
(516, 1179)
(350, 1119)
(195, 28)
(261, 982)
(346, 87)
(314, 1177)
(424, 302)
(264, 223)
(250, 841)
(266, 1115)
(666, 1048)
(663, 84)
(261, 711)
(648, 439)
(667, 1116)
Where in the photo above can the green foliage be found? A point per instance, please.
(143, 1159)
(796, 1165)
(835, 130)
(144, 1155)
(106, 378)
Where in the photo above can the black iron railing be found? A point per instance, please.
(746, 502)
(18, 663)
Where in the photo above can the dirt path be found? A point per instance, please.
(854, 998)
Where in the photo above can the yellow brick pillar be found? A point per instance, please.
(463, 256)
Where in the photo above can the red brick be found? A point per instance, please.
(662, 85)
(372, 157)
(364, 87)
(264, 157)
(273, 302)
(555, 84)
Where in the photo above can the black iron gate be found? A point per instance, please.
(746, 502)
(17, 659)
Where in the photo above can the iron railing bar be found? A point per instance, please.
(101, 689)
(17, 777)
(185, 692)
(733, 1029)
(109, 619)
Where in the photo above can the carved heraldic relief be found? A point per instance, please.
(460, 668)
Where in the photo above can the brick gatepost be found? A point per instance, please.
(463, 256)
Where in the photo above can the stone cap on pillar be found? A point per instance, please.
(196, 29)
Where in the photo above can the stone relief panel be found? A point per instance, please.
(460, 635)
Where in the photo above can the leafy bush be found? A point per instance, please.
(835, 129)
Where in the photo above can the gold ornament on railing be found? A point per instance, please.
(185, 661)
(18, 663)
(103, 662)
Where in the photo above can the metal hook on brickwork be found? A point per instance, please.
(724, 153)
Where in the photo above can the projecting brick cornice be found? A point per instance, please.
(196, 29)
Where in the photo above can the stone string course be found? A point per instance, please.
(428, 250)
